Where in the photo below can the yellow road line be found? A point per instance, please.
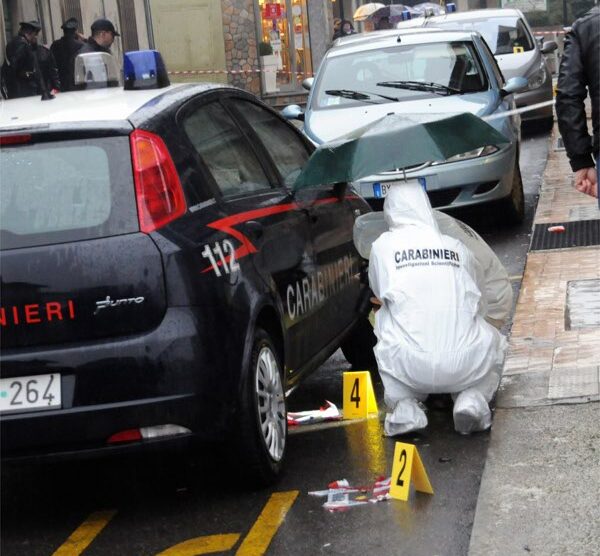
(83, 536)
(208, 544)
(260, 536)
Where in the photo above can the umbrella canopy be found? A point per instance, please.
(393, 12)
(364, 11)
(396, 141)
(431, 6)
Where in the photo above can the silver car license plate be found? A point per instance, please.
(379, 190)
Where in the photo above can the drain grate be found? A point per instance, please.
(583, 233)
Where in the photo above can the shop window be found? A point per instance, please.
(285, 55)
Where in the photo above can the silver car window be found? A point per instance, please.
(453, 65)
(504, 35)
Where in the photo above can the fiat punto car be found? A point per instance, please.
(161, 280)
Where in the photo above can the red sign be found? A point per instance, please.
(271, 10)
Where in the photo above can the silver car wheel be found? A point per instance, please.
(271, 403)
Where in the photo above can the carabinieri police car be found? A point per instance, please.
(161, 280)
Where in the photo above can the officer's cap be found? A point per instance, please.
(104, 25)
(71, 24)
(32, 25)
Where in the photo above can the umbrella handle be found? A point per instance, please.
(416, 168)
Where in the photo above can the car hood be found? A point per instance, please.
(328, 124)
(517, 65)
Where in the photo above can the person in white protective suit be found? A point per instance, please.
(432, 333)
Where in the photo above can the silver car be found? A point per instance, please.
(510, 38)
(419, 73)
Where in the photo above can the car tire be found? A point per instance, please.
(261, 434)
(358, 346)
(513, 207)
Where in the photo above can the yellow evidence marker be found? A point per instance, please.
(359, 396)
(408, 466)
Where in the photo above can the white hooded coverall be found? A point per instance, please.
(431, 328)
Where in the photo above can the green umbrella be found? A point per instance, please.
(396, 141)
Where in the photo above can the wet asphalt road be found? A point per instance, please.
(149, 505)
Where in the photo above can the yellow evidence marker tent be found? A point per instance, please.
(359, 396)
(408, 467)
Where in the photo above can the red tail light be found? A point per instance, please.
(158, 190)
(14, 139)
(129, 435)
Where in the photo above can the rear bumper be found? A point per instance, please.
(170, 375)
(82, 432)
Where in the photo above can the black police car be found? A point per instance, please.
(160, 279)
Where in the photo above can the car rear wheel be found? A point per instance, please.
(513, 207)
(262, 430)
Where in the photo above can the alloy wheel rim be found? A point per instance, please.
(271, 403)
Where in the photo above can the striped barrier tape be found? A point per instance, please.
(519, 110)
(234, 72)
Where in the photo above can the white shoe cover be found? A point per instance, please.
(471, 412)
(406, 417)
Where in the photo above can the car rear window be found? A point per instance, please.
(60, 191)
(504, 35)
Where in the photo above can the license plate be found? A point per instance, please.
(30, 393)
(381, 189)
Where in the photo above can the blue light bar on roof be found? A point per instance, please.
(144, 69)
(450, 8)
(406, 15)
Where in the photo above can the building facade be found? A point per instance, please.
(265, 46)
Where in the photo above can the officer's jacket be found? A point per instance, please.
(579, 71)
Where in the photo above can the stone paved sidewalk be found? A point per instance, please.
(539, 492)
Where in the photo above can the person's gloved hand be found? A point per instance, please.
(586, 181)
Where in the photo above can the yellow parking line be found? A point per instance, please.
(203, 545)
(260, 536)
(83, 536)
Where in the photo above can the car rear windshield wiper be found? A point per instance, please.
(437, 88)
(356, 95)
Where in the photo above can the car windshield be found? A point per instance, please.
(399, 73)
(504, 35)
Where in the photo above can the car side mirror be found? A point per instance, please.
(293, 112)
(548, 47)
(308, 83)
(514, 85)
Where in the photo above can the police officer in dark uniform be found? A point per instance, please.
(29, 68)
(64, 51)
(103, 35)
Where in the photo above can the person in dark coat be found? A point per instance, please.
(346, 28)
(64, 51)
(29, 68)
(103, 35)
(580, 74)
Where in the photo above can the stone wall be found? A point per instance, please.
(241, 50)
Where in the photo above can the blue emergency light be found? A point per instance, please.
(405, 15)
(144, 69)
(450, 8)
